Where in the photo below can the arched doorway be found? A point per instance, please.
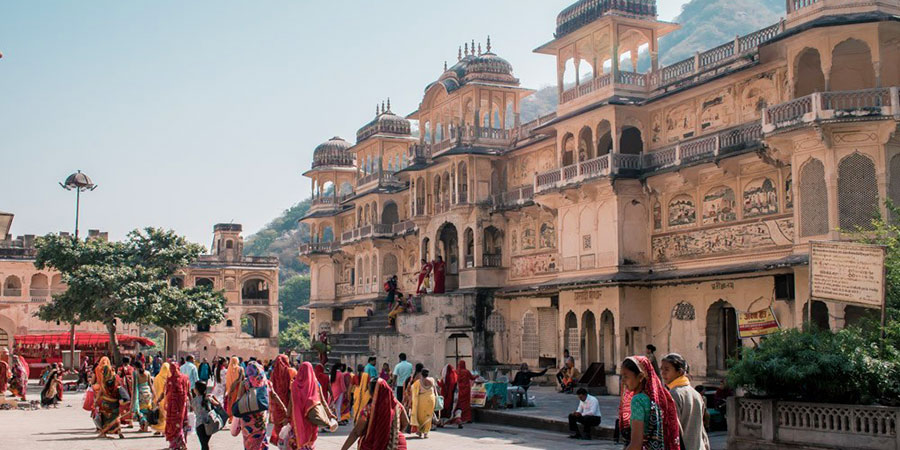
(469, 254)
(171, 341)
(568, 150)
(589, 347)
(425, 250)
(808, 74)
(493, 247)
(255, 291)
(389, 214)
(604, 138)
(851, 66)
(458, 348)
(608, 341)
(390, 266)
(631, 143)
(585, 144)
(721, 337)
(819, 315)
(257, 325)
(448, 238)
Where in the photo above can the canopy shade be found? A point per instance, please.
(82, 340)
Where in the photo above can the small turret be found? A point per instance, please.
(228, 244)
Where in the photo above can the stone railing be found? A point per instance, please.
(39, 292)
(489, 260)
(766, 423)
(833, 105)
(686, 69)
(319, 247)
(575, 173)
(377, 230)
(255, 301)
(403, 227)
(326, 200)
(12, 292)
(344, 289)
(525, 130)
(515, 196)
(704, 147)
(795, 5)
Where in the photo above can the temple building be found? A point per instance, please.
(250, 285)
(654, 205)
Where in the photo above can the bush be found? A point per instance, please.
(848, 366)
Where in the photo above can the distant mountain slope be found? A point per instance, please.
(709, 23)
(705, 24)
(282, 238)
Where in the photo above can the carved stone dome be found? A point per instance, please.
(334, 152)
(489, 67)
(385, 122)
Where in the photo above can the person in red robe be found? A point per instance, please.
(126, 380)
(439, 268)
(465, 379)
(423, 274)
(450, 390)
(282, 375)
(324, 381)
(4, 371)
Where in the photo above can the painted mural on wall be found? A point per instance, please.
(656, 129)
(548, 235)
(724, 240)
(789, 193)
(657, 216)
(514, 241)
(528, 239)
(525, 266)
(719, 206)
(682, 212)
(680, 123)
(717, 110)
(760, 198)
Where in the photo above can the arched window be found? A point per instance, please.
(462, 177)
(851, 66)
(631, 143)
(857, 192)
(255, 290)
(813, 199)
(469, 239)
(808, 74)
(12, 287)
(585, 144)
(571, 335)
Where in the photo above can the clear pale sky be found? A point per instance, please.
(187, 114)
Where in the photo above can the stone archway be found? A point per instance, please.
(808, 75)
(172, 343)
(721, 337)
(589, 342)
(448, 247)
(608, 341)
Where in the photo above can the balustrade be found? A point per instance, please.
(789, 111)
(861, 100)
(831, 106)
(491, 260)
(12, 292)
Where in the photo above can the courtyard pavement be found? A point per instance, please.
(70, 428)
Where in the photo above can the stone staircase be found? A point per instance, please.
(353, 347)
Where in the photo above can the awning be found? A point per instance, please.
(81, 340)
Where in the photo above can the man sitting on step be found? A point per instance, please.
(587, 414)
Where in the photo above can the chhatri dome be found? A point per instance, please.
(475, 65)
(385, 122)
(334, 152)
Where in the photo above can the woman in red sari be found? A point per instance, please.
(423, 274)
(648, 417)
(4, 371)
(282, 374)
(305, 395)
(381, 425)
(465, 379)
(439, 269)
(177, 390)
(347, 403)
(449, 390)
(323, 380)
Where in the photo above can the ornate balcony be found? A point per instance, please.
(378, 230)
(514, 197)
(874, 104)
(322, 248)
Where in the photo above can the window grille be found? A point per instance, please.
(529, 336)
(857, 192)
(813, 199)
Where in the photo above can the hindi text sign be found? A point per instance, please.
(847, 272)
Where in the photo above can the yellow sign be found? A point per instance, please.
(758, 323)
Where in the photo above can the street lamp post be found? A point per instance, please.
(78, 182)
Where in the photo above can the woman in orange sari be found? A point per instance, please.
(282, 374)
(233, 379)
(381, 423)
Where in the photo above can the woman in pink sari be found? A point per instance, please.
(338, 387)
(439, 270)
(423, 274)
(305, 395)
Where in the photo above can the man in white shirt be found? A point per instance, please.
(587, 414)
(402, 371)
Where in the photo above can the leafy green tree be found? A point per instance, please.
(128, 281)
(292, 295)
(295, 337)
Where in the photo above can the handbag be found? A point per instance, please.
(318, 416)
(152, 416)
(214, 423)
(253, 401)
(439, 403)
(88, 401)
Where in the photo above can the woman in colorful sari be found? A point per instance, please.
(282, 374)
(305, 395)
(422, 286)
(177, 396)
(253, 426)
(126, 379)
(233, 381)
(450, 391)
(347, 404)
(4, 372)
(464, 403)
(109, 401)
(408, 385)
(323, 380)
(142, 398)
(361, 396)
(18, 380)
(336, 380)
(647, 414)
(423, 395)
(381, 424)
(159, 390)
(52, 392)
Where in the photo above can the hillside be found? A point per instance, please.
(705, 24)
(282, 238)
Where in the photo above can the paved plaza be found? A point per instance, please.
(70, 428)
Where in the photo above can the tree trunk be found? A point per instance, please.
(113, 342)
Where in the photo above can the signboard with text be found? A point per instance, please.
(847, 272)
(757, 323)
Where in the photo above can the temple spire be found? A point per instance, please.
(489, 44)
(479, 48)
(473, 47)
(467, 48)
(389, 99)
(459, 54)
(445, 66)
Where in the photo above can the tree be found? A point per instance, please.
(294, 338)
(292, 295)
(126, 281)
